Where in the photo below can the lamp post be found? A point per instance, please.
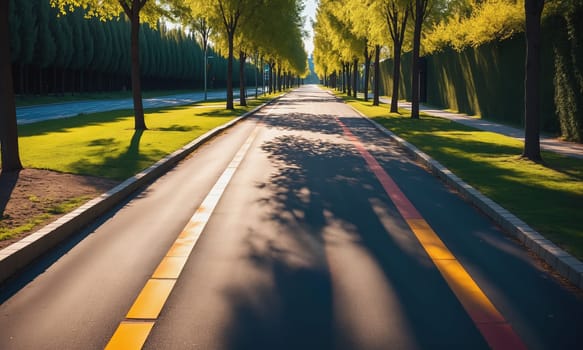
(205, 71)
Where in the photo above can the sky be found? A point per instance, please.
(310, 14)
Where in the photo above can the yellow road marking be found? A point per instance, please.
(180, 249)
(130, 336)
(473, 299)
(170, 267)
(430, 241)
(149, 303)
(476, 303)
(489, 321)
(151, 299)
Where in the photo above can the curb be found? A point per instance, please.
(562, 262)
(18, 255)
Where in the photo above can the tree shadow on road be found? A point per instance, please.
(323, 199)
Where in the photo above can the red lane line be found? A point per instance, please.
(404, 206)
(498, 334)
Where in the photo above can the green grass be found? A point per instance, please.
(547, 196)
(105, 144)
(10, 232)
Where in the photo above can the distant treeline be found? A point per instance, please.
(54, 54)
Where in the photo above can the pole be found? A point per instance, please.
(205, 70)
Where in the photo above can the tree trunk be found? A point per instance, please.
(230, 73)
(8, 126)
(256, 80)
(415, 60)
(533, 10)
(366, 71)
(355, 78)
(342, 82)
(348, 83)
(55, 88)
(272, 78)
(242, 98)
(280, 77)
(377, 75)
(139, 121)
(81, 81)
(396, 78)
(262, 76)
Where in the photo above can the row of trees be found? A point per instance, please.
(347, 31)
(268, 31)
(58, 54)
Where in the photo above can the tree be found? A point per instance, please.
(419, 17)
(150, 11)
(334, 27)
(396, 13)
(367, 23)
(533, 10)
(8, 126)
(227, 15)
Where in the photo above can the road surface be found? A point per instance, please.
(302, 227)
(33, 114)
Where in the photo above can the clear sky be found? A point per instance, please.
(310, 14)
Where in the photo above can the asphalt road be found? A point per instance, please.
(317, 235)
(33, 114)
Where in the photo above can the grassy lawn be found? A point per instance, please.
(547, 196)
(105, 144)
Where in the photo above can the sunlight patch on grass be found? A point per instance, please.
(105, 144)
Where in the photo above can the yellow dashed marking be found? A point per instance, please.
(130, 336)
(151, 299)
(180, 249)
(170, 267)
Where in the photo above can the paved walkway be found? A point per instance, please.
(307, 229)
(569, 149)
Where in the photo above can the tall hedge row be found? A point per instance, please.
(53, 54)
(489, 80)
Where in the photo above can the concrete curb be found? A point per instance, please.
(564, 263)
(19, 254)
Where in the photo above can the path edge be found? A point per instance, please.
(20, 254)
(562, 262)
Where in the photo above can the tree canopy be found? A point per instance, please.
(270, 28)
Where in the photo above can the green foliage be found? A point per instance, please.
(488, 80)
(487, 21)
(568, 77)
(548, 197)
